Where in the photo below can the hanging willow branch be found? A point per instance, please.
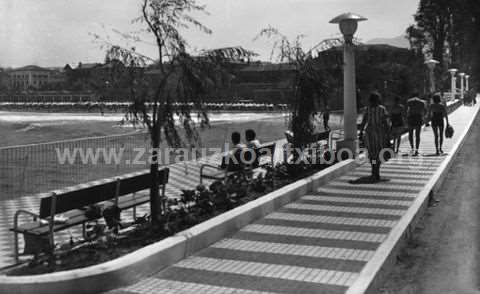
(309, 82)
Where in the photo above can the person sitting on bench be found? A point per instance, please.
(231, 160)
(252, 141)
(236, 142)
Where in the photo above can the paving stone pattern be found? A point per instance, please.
(318, 244)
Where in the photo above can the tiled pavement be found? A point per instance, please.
(318, 244)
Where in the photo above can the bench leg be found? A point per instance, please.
(134, 212)
(16, 246)
(52, 241)
(84, 231)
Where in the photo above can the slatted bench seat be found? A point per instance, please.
(71, 205)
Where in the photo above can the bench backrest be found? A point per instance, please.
(314, 138)
(98, 191)
(266, 150)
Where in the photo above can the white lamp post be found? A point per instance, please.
(462, 85)
(431, 63)
(467, 87)
(452, 72)
(348, 23)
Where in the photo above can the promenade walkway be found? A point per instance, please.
(318, 244)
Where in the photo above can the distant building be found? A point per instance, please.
(3, 79)
(264, 82)
(29, 77)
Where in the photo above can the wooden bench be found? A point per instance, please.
(62, 209)
(234, 164)
(315, 139)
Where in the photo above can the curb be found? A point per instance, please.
(373, 275)
(146, 261)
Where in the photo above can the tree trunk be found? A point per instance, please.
(154, 187)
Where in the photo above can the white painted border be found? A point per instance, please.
(384, 259)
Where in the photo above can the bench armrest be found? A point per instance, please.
(206, 165)
(18, 213)
(210, 166)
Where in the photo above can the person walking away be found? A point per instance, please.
(397, 115)
(416, 111)
(359, 101)
(326, 118)
(474, 95)
(375, 125)
(437, 113)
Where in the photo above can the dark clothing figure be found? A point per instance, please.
(416, 110)
(437, 113)
(398, 124)
(326, 118)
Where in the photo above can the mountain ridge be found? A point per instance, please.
(400, 41)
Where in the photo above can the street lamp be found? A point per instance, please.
(452, 72)
(431, 63)
(462, 85)
(467, 87)
(348, 23)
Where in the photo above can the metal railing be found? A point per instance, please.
(35, 168)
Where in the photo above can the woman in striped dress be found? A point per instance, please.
(375, 124)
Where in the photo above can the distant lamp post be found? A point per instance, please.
(431, 63)
(348, 23)
(462, 85)
(107, 84)
(467, 87)
(452, 72)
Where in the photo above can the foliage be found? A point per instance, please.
(392, 71)
(447, 30)
(167, 90)
(310, 82)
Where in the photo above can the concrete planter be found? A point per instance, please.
(130, 268)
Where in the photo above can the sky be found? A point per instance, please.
(57, 32)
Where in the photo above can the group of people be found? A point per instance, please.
(380, 126)
(250, 137)
(251, 143)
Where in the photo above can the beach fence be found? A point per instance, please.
(35, 168)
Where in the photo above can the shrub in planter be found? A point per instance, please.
(111, 216)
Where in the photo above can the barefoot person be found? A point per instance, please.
(437, 113)
(375, 124)
(416, 111)
(397, 115)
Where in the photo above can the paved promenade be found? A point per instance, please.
(318, 244)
